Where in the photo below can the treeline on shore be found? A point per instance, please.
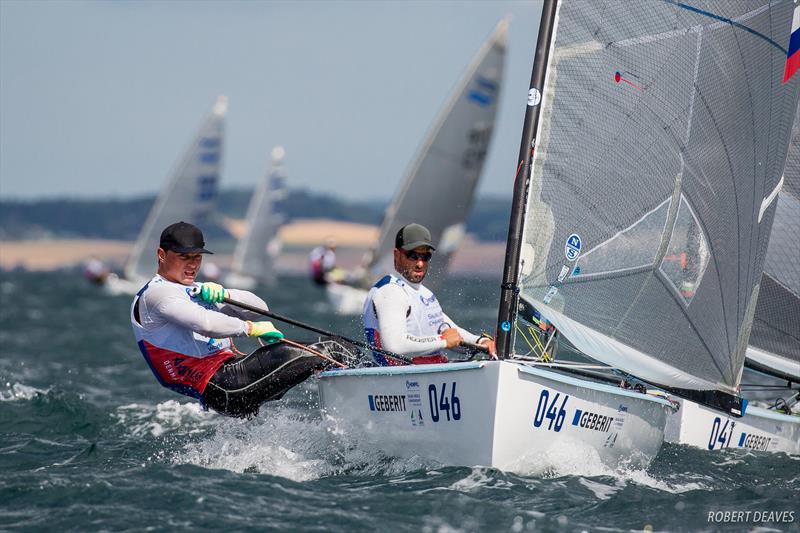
(121, 219)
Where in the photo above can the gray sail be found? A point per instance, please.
(775, 338)
(190, 195)
(256, 250)
(438, 189)
(664, 128)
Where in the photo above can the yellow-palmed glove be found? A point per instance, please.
(265, 330)
(213, 293)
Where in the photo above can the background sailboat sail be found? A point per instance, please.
(190, 194)
(256, 250)
(663, 128)
(775, 337)
(439, 186)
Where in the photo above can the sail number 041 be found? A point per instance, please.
(721, 434)
(550, 410)
(444, 404)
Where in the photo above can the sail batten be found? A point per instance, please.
(645, 232)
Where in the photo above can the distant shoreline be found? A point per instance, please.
(474, 257)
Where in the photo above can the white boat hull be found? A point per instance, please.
(344, 299)
(117, 286)
(759, 429)
(493, 413)
(240, 281)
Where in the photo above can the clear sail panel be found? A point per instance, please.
(775, 338)
(663, 127)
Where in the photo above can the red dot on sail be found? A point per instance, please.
(617, 77)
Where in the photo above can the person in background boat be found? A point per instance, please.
(183, 329)
(95, 271)
(322, 261)
(403, 316)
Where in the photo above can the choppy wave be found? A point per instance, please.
(20, 392)
(90, 441)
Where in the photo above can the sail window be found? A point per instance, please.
(687, 254)
(632, 248)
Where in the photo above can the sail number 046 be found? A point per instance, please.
(550, 410)
(443, 403)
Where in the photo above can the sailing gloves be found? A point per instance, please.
(212, 293)
(265, 330)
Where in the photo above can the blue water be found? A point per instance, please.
(90, 441)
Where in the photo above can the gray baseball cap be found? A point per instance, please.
(411, 236)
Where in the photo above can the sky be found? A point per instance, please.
(99, 99)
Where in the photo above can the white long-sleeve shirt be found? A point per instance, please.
(406, 318)
(183, 339)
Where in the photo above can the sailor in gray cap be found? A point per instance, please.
(403, 316)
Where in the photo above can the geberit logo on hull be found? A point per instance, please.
(387, 402)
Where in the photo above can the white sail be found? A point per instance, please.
(253, 259)
(190, 194)
(439, 186)
(663, 128)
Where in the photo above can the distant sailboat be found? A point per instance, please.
(190, 195)
(653, 130)
(254, 257)
(774, 345)
(439, 187)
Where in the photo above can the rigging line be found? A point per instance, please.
(524, 338)
(726, 20)
(313, 351)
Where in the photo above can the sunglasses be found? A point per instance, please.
(417, 256)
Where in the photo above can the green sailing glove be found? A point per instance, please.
(213, 293)
(265, 330)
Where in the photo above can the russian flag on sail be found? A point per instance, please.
(793, 55)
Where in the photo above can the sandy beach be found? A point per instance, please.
(298, 237)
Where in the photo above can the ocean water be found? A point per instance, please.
(90, 442)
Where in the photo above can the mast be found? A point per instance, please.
(509, 290)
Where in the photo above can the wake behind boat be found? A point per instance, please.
(190, 195)
(439, 187)
(635, 178)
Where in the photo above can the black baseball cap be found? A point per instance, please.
(183, 238)
(411, 236)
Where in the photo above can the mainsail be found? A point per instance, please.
(439, 186)
(775, 338)
(256, 250)
(663, 126)
(190, 194)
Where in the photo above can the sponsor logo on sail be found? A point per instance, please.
(572, 248)
(534, 97)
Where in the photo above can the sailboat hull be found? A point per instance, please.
(116, 286)
(344, 299)
(759, 429)
(493, 413)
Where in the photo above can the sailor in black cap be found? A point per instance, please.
(184, 334)
(403, 316)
